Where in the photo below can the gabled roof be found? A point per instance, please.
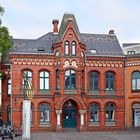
(104, 44)
(64, 24)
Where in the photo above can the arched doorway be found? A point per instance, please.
(136, 115)
(69, 114)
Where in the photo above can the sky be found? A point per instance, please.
(30, 19)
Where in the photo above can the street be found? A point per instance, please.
(103, 135)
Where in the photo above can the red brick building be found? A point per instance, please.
(132, 84)
(77, 80)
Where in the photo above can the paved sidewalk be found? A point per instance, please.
(114, 135)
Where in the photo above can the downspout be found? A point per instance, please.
(125, 92)
(11, 94)
(85, 91)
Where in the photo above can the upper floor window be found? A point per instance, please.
(66, 48)
(94, 81)
(44, 109)
(9, 87)
(94, 112)
(57, 79)
(110, 112)
(136, 80)
(110, 81)
(44, 80)
(70, 79)
(73, 48)
(27, 80)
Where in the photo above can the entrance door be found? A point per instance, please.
(69, 115)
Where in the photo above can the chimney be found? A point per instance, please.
(55, 23)
(111, 32)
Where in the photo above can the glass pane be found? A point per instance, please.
(138, 83)
(112, 115)
(41, 83)
(46, 74)
(66, 49)
(67, 82)
(107, 84)
(29, 74)
(136, 75)
(67, 73)
(46, 83)
(41, 74)
(72, 72)
(73, 83)
(73, 48)
(107, 115)
(96, 84)
(134, 84)
(9, 87)
(91, 84)
(47, 115)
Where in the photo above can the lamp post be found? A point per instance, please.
(26, 111)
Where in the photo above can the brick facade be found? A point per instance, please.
(82, 97)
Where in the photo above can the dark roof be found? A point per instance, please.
(64, 24)
(104, 44)
(129, 44)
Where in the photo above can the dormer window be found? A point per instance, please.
(73, 48)
(93, 51)
(130, 52)
(66, 48)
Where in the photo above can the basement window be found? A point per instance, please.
(41, 49)
(93, 51)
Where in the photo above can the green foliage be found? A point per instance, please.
(5, 39)
(1, 12)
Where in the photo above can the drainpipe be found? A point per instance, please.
(125, 93)
(11, 94)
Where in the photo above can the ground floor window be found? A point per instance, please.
(109, 112)
(136, 115)
(44, 113)
(94, 112)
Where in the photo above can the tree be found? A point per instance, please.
(5, 43)
(5, 39)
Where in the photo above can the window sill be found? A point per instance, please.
(70, 91)
(96, 92)
(94, 124)
(44, 125)
(135, 91)
(44, 92)
(110, 124)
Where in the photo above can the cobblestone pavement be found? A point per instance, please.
(114, 135)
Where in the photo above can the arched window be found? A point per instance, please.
(110, 81)
(9, 87)
(136, 80)
(94, 112)
(66, 48)
(70, 79)
(73, 48)
(110, 112)
(57, 79)
(94, 81)
(44, 80)
(27, 80)
(44, 113)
